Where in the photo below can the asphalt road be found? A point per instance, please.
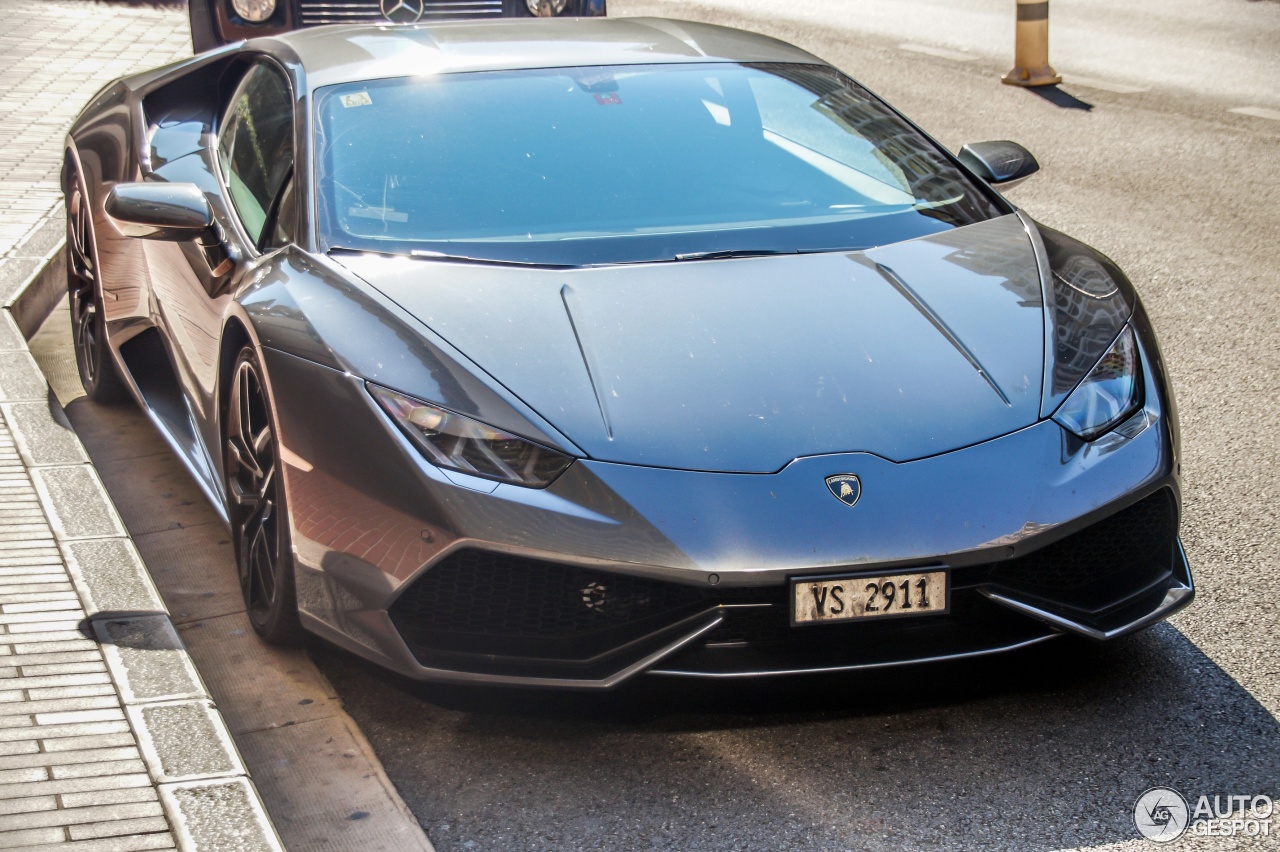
(1220, 48)
(1041, 750)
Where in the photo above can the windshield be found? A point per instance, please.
(623, 164)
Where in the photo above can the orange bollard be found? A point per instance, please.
(1031, 47)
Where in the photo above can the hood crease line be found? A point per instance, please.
(567, 295)
(920, 305)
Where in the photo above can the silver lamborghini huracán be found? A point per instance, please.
(560, 352)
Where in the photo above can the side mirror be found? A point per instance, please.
(1004, 164)
(159, 211)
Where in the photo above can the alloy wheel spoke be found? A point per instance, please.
(254, 494)
(262, 444)
(80, 243)
(83, 294)
(86, 334)
(246, 472)
(251, 467)
(84, 326)
(243, 494)
(250, 541)
(266, 486)
(261, 558)
(238, 443)
(269, 545)
(254, 566)
(246, 434)
(83, 275)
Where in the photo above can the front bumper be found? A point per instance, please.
(445, 578)
(507, 616)
(975, 628)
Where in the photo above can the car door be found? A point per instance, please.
(251, 163)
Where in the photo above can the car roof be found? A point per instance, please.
(339, 54)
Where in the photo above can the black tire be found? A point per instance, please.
(84, 291)
(256, 505)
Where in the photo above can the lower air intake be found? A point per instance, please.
(478, 602)
(1103, 563)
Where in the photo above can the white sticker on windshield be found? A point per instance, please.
(382, 214)
(356, 99)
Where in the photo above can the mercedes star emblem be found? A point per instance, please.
(401, 11)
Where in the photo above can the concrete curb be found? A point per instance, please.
(42, 262)
(319, 780)
(207, 795)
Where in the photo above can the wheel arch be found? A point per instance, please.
(73, 166)
(280, 626)
(235, 336)
(70, 162)
(238, 331)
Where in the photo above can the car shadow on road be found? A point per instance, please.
(1042, 749)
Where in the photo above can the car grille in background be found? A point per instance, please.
(317, 12)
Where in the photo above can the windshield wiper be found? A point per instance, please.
(723, 253)
(719, 254)
(763, 252)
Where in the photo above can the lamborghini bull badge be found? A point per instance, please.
(846, 487)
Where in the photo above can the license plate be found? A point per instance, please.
(817, 601)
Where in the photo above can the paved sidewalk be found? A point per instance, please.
(54, 55)
(108, 738)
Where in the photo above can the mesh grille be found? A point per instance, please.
(476, 600)
(316, 12)
(1102, 563)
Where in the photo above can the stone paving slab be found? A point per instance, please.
(90, 732)
(51, 748)
(108, 737)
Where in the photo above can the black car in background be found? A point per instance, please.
(218, 22)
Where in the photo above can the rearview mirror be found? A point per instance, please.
(159, 211)
(1004, 164)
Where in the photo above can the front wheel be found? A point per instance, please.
(256, 507)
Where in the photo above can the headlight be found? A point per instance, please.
(459, 443)
(254, 11)
(1108, 394)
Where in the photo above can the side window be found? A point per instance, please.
(255, 145)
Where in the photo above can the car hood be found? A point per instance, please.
(742, 365)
